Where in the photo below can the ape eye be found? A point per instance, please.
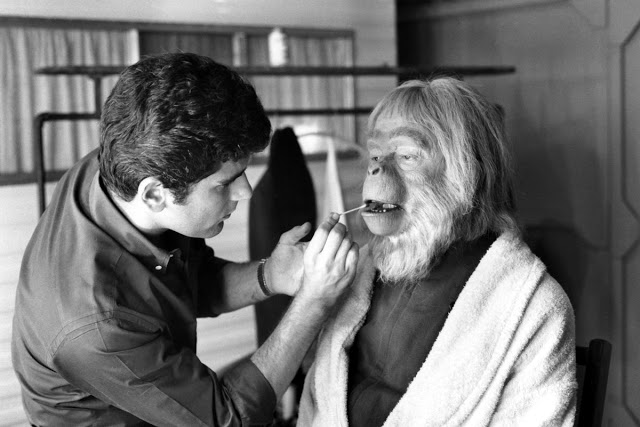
(375, 158)
(408, 160)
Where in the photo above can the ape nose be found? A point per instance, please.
(374, 168)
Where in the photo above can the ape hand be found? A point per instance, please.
(284, 267)
(330, 262)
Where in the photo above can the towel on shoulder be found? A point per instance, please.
(505, 355)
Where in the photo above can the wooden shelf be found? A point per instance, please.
(98, 72)
(293, 71)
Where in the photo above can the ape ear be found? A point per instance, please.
(152, 194)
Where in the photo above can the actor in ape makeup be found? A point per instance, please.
(451, 319)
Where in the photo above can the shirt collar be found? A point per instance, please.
(108, 217)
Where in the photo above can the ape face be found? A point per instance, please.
(401, 162)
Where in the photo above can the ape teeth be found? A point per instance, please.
(380, 207)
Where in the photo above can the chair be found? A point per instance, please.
(593, 373)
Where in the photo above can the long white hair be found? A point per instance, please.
(475, 194)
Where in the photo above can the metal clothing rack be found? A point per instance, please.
(97, 72)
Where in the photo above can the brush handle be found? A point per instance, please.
(353, 210)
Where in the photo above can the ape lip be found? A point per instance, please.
(377, 206)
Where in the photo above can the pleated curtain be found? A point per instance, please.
(308, 91)
(25, 49)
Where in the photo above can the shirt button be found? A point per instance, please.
(158, 267)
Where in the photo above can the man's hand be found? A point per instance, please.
(284, 268)
(330, 262)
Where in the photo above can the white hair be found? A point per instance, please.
(475, 194)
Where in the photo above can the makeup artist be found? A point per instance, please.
(117, 270)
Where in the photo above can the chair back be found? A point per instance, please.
(593, 373)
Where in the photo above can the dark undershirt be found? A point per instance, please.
(401, 326)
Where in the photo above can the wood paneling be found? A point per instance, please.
(556, 118)
(18, 217)
(572, 116)
(628, 171)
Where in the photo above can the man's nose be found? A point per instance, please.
(241, 188)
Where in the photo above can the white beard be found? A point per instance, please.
(410, 255)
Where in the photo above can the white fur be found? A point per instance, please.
(409, 256)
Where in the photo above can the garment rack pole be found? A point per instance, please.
(38, 149)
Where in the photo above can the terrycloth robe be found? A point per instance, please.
(505, 355)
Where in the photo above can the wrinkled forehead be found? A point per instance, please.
(391, 129)
(396, 121)
(402, 112)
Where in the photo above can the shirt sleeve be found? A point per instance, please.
(209, 275)
(129, 364)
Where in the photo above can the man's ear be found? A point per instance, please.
(152, 194)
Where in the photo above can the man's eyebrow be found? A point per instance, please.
(232, 178)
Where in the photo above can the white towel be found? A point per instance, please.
(505, 355)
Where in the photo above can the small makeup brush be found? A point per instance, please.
(353, 210)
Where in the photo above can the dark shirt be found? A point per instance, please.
(104, 331)
(401, 326)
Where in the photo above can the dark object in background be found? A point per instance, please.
(283, 198)
(593, 373)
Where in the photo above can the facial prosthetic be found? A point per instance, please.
(407, 210)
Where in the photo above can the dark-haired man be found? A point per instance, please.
(117, 270)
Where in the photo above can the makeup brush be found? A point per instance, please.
(353, 210)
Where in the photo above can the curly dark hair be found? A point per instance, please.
(177, 117)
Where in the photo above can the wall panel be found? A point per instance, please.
(556, 118)
(629, 165)
(572, 111)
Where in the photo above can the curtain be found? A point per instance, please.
(216, 46)
(308, 92)
(25, 49)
